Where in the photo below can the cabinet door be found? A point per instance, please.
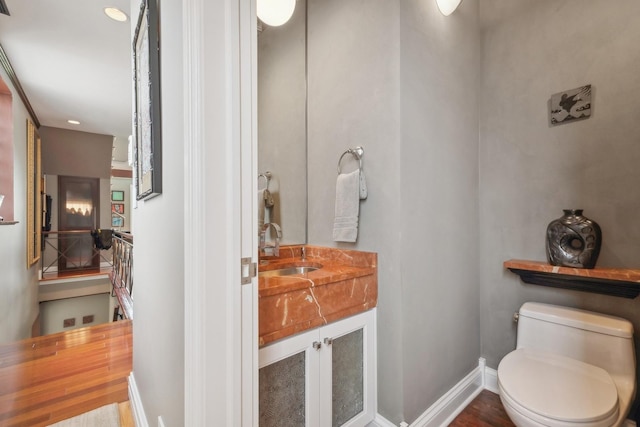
(348, 380)
(288, 382)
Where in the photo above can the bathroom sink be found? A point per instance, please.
(289, 271)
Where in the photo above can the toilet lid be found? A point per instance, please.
(558, 387)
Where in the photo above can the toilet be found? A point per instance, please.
(570, 368)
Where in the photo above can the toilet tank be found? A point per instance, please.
(594, 338)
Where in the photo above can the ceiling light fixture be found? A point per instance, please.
(275, 12)
(73, 122)
(115, 14)
(447, 7)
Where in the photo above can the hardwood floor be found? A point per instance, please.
(50, 378)
(47, 379)
(486, 410)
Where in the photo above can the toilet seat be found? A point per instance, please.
(556, 390)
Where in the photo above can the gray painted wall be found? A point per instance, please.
(18, 283)
(401, 80)
(282, 122)
(530, 171)
(439, 63)
(354, 99)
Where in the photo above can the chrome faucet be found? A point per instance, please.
(278, 235)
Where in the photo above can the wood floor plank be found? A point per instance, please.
(47, 379)
(486, 410)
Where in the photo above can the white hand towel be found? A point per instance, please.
(261, 208)
(345, 226)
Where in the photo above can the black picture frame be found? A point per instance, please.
(117, 196)
(147, 123)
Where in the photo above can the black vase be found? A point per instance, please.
(573, 240)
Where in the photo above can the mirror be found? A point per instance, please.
(282, 130)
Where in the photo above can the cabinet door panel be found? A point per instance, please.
(282, 393)
(288, 382)
(347, 377)
(348, 395)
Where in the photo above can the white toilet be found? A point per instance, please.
(571, 368)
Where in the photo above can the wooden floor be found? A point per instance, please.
(51, 378)
(76, 274)
(54, 377)
(486, 410)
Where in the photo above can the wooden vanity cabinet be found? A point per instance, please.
(320, 378)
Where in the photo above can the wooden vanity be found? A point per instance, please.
(345, 283)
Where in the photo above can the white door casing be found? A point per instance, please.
(220, 314)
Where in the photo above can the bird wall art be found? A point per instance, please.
(574, 104)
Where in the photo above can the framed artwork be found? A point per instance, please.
(117, 221)
(117, 196)
(574, 104)
(146, 115)
(34, 198)
(117, 208)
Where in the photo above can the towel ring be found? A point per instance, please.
(267, 177)
(355, 152)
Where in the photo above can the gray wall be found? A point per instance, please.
(18, 283)
(530, 171)
(439, 198)
(158, 328)
(282, 122)
(401, 80)
(354, 99)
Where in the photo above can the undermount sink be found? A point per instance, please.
(289, 271)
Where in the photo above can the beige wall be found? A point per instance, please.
(6, 151)
(73, 153)
(53, 313)
(530, 171)
(18, 283)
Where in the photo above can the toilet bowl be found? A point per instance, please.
(571, 368)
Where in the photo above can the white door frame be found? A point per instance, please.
(220, 348)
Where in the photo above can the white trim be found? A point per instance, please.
(139, 417)
(380, 421)
(454, 401)
(212, 213)
(443, 412)
(194, 250)
(491, 380)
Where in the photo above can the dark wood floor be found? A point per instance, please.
(486, 410)
(47, 379)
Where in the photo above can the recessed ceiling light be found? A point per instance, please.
(73, 122)
(115, 14)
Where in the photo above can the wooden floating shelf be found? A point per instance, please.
(8, 222)
(619, 282)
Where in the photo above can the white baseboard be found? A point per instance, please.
(491, 380)
(380, 421)
(139, 417)
(445, 409)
